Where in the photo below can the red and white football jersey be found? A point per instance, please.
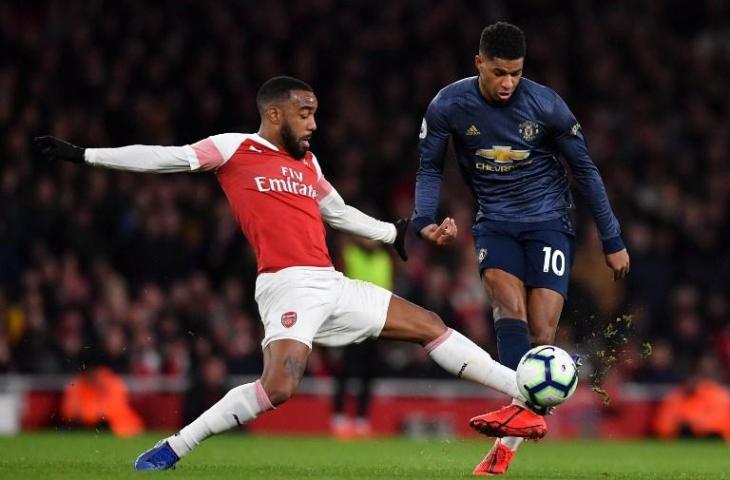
(274, 198)
(279, 202)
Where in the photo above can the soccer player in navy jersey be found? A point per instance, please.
(509, 133)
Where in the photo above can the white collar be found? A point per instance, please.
(259, 139)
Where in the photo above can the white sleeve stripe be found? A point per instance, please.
(208, 155)
(324, 188)
(228, 143)
(320, 175)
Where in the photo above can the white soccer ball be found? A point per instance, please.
(547, 376)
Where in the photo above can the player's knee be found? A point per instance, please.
(509, 306)
(279, 391)
(507, 300)
(277, 396)
(432, 328)
(542, 336)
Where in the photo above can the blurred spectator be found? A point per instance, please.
(366, 260)
(698, 408)
(99, 397)
(208, 386)
(661, 367)
(5, 354)
(114, 350)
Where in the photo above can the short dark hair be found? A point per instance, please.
(277, 89)
(502, 40)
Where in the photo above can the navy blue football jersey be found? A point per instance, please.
(509, 156)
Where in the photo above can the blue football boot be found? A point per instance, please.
(577, 360)
(159, 457)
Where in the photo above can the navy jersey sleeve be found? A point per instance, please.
(434, 139)
(569, 139)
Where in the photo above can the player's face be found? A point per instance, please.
(498, 77)
(298, 123)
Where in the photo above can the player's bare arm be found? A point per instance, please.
(440, 235)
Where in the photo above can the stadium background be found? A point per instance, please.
(150, 276)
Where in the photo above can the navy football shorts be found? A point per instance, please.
(538, 253)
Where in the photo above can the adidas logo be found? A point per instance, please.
(471, 131)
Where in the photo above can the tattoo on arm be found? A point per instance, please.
(294, 367)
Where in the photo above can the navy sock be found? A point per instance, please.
(513, 341)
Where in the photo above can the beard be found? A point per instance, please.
(291, 143)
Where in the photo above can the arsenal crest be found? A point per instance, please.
(288, 319)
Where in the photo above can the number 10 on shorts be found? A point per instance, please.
(553, 259)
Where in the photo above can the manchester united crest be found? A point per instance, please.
(529, 130)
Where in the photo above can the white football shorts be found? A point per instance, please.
(319, 305)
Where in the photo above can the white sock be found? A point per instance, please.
(461, 357)
(511, 442)
(237, 407)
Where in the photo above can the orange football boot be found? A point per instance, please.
(496, 462)
(510, 421)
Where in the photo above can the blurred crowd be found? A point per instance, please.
(150, 275)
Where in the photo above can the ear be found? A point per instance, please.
(274, 114)
(478, 61)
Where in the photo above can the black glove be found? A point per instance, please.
(401, 227)
(56, 149)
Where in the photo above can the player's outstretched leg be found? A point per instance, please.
(463, 358)
(284, 365)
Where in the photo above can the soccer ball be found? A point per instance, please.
(547, 376)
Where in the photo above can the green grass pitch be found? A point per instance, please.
(50, 456)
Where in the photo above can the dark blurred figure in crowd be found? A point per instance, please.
(208, 386)
(661, 367)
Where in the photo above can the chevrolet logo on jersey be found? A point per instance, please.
(503, 154)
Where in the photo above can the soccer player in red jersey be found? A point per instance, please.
(280, 199)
